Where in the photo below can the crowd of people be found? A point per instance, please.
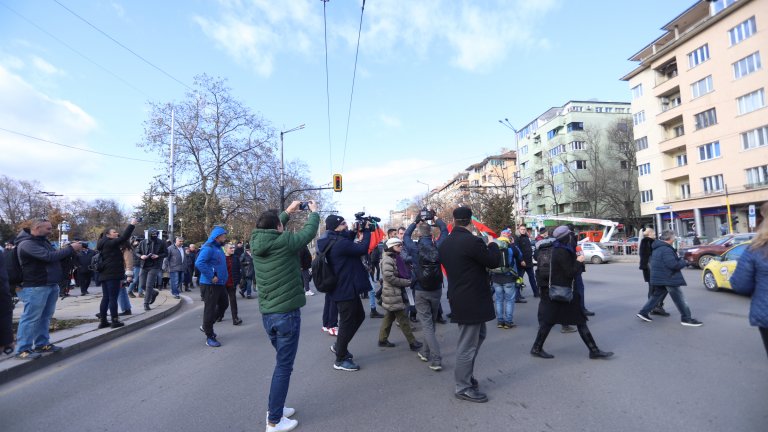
(405, 274)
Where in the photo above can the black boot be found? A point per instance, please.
(589, 341)
(116, 323)
(104, 323)
(376, 314)
(538, 344)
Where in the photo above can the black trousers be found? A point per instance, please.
(330, 313)
(764, 334)
(231, 295)
(351, 317)
(216, 302)
(84, 280)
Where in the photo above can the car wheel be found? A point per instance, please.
(709, 281)
(704, 260)
(596, 260)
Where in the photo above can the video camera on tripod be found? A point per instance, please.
(361, 219)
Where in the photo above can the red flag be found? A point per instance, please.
(478, 226)
(376, 237)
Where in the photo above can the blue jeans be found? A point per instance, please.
(39, 305)
(248, 288)
(283, 330)
(135, 282)
(176, 279)
(505, 301)
(677, 296)
(122, 298)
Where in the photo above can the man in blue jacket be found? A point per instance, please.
(212, 264)
(666, 278)
(345, 257)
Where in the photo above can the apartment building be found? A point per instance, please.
(553, 156)
(494, 174)
(700, 122)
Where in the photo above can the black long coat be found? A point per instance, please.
(466, 259)
(112, 256)
(564, 271)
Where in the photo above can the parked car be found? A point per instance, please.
(718, 271)
(595, 253)
(699, 256)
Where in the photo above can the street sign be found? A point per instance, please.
(752, 216)
(752, 210)
(664, 207)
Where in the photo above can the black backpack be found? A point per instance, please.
(97, 263)
(15, 272)
(322, 271)
(544, 250)
(428, 271)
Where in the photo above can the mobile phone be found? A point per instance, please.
(304, 205)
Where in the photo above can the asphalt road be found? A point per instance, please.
(664, 377)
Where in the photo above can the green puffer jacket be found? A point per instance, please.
(277, 267)
(392, 292)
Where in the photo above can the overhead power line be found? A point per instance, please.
(76, 148)
(354, 74)
(32, 23)
(123, 46)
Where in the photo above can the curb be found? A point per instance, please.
(81, 343)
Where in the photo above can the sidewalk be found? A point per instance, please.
(86, 336)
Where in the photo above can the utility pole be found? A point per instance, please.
(282, 165)
(172, 195)
(518, 190)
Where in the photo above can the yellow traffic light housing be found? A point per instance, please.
(337, 182)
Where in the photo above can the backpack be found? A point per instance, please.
(97, 263)
(505, 265)
(428, 271)
(322, 271)
(15, 272)
(544, 250)
(376, 254)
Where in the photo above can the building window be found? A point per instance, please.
(557, 150)
(608, 109)
(713, 183)
(580, 206)
(718, 5)
(751, 101)
(742, 31)
(678, 130)
(523, 165)
(706, 118)
(598, 109)
(579, 186)
(524, 150)
(475, 183)
(709, 151)
(757, 176)
(578, 145)
(553, 133)
(575, 108)
(698, 56)
(540, 191)
(702, 87)
(575, 126)
(559, 188)
(646, 196)
(497, 162)
(755, 138)
(681, 159)
(685, 190)
(579, 164)
(638, 118)
(557, 169)
(624, 164)
(747, 65)
(619, 110)
(644, 169)
(641, 143)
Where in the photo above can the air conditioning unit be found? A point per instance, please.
(589, 108)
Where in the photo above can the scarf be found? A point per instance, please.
(402, 270)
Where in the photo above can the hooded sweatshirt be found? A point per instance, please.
(277, 266)
(40, 262)
(211, 260)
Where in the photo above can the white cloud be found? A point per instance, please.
(45, 67)
(119, 9)
(390, 121)
(475, 35)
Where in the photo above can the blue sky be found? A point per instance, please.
(433, 79)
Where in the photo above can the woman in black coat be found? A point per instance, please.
(564, 266)
(644, 251)
(6, 307)
(112, 271)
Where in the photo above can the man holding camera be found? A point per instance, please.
(41, 267)
(151, 253)
(466, 259)
(428, 284)
(352, 281)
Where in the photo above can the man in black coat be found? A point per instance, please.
(84, 272)
(6, 307)
(466, 259)
(524, 244)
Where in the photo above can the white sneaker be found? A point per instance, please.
(287, 412)
(325, 329)
(333, 331)
(309, 293)
(285, 424)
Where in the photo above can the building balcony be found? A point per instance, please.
(673, 173)
(757, 185)
(672, 145)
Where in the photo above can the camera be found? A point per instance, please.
(139, 219)
(361, 219)
(304, 205)
(426, 214)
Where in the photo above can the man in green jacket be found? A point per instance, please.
(281, 296)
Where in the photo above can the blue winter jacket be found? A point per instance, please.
(211, 260)
(345, 257)
(412, 248)
(751, 277)
(666, 265)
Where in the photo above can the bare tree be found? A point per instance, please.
(588, 170)
(214, 130)
(622, 195)
(21, 200)
(550, 181)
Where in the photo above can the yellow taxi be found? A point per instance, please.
(717, 273)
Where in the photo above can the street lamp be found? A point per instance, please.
(518, 195)
(282, 165)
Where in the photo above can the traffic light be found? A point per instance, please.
(337, 182)
(735, 220)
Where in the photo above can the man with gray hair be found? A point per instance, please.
(176, 258)
(666, 277)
